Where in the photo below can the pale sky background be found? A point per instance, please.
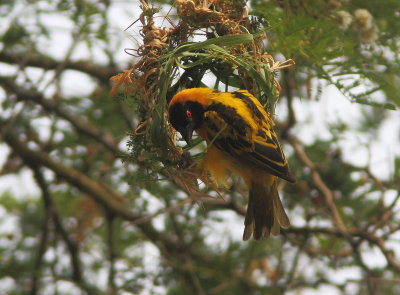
(313, 118)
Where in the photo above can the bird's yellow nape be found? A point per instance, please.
(200, 95)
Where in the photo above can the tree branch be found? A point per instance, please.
(43, 240)
(288, 86)
(49, 105)
(103, 73)
(102, 194)
(327, 193)
(52, 212)
(112, 254)
(110, 199)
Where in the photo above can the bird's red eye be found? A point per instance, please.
(188, 114)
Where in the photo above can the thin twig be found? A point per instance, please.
(45, 230)
(162, 211)
(112, 288)
(327, 193)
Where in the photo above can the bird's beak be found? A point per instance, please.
(187, 133)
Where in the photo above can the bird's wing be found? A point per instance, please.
(245, 139)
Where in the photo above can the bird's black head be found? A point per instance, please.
(186, 117)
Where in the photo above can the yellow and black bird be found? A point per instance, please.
(241, 140)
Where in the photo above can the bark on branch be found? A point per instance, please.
(47, 63)
(103, 195)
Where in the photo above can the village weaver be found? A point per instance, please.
(240, 140)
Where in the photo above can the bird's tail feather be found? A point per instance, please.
(265, 213)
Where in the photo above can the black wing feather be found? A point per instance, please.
(231, 133)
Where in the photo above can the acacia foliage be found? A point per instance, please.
(93, 224)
